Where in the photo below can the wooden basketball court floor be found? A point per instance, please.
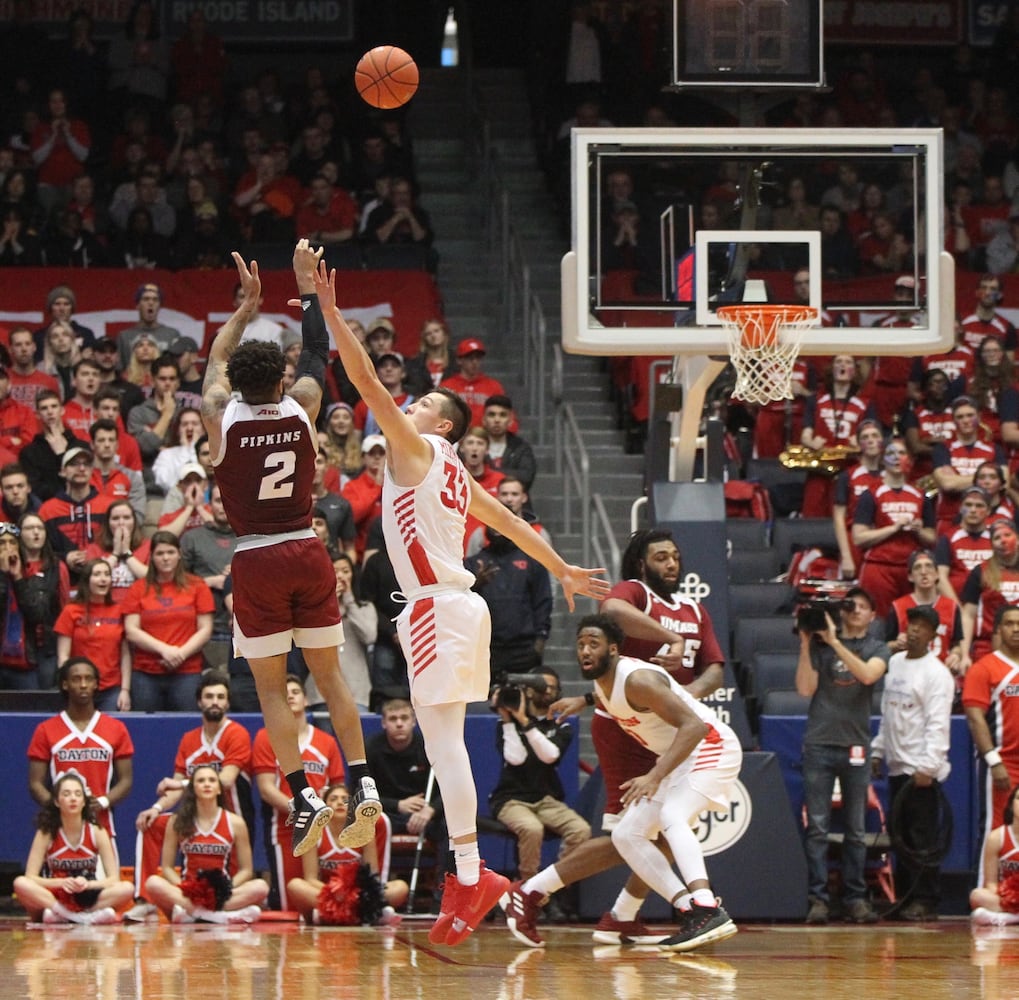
(267, 961)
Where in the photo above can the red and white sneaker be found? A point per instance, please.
(609, 930)
(522, 909)
(465, 906)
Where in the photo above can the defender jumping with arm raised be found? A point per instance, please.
(445, 627)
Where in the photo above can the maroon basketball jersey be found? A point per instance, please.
(266, 466)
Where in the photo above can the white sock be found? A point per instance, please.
(468, 863)
(682, 902)
(546, 882)
(704, 897)
(626, 907)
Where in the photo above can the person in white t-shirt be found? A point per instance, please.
(916, 714)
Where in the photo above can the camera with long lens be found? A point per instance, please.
(811, 616)
(510, 694)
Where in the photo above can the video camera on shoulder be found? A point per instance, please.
(511, 692)
(811, 616)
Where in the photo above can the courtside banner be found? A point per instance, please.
(888, 22)
(198, 302)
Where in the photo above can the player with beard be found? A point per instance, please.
(218, 742)
(696, 759)
(674, 632)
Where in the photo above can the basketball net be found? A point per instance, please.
(764, 343)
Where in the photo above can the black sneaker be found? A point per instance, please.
(365, 808)
(702, 925)
(309, 815)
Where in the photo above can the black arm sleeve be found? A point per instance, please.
(315, 355)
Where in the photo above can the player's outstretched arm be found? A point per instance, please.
(401, 434)
(310, 375)
(216, 387)
(229, 334)
(575, 580)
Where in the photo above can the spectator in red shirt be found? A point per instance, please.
(122, 544)
(92, 626)
(471, 384)
(329, 216)
(364, 494)
(79, 410)
(27, 381)
(18, 423)
(199, 61)
(473, 453)
(168, 619)
(60, 147)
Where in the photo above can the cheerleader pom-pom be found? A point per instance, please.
(222, 885)
(200, 892)
(373, 898)
(338, 898)
(1008, 893)
(77, 901)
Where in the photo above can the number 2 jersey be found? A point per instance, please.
(424, 524)
(265, 467)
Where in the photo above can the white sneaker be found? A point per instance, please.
(142, 912)
(104, 915)
(245, 915)
(365, 809)
(993, 918)
(49, 917)
(181, 916)
(309, 816)
(70, 916)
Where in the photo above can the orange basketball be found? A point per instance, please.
(386, 77)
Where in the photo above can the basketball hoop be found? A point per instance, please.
(764, 343)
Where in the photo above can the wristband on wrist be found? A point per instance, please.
(589, 698)
(104, 802)
(992, 758)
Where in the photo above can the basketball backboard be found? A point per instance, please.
(757, 43)
(670, 224)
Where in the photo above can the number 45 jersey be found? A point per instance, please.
(424, 524)
(266, 467)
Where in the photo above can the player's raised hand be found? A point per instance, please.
(583, 582)
(251, 284)
(306, 262)
(325, 286)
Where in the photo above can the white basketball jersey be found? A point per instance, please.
(424, 524)
(651, 730)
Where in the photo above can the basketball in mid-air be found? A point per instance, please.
(386, 77)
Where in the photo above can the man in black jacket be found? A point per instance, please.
(528, 797)
(397, 761)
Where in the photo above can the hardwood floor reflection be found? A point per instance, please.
(288, 962)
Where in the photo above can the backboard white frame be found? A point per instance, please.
(583, 333)
(704, 237)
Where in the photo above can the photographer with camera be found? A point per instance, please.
(837, 669)
(528, 796)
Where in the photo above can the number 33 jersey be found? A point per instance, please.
(424, 524)
(266, 467)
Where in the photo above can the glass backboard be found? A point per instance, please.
(669, 224)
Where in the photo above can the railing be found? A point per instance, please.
(522, 314)
(605, 553)
(574, 465)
